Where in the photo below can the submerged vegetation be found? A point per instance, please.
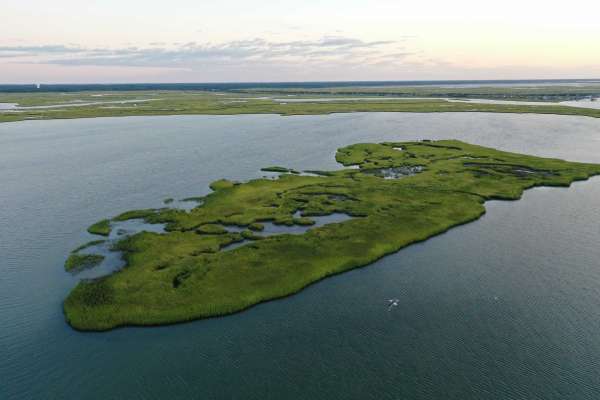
(193, 270)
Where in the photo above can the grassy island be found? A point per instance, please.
(86, 105)
(101, 228)
(77, 262)
(401, 193)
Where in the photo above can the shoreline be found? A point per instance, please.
(283, 114)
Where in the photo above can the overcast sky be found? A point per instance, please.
(67, 41)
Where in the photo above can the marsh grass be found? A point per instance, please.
(185, 274)
(77, 262)
(100, 228)
(88, 244)
(282, 170)
(206, 103)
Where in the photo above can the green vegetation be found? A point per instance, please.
(189, 273)
(88, 244)
(282, 170)
(100, 228)
(256, 226)
(135, 214)
(254, 102)
(211, 229)
(197, 199)
(527, 92)
(77, 262)
(250, 235)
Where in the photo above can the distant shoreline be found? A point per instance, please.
(72, 87)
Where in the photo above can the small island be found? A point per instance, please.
(219, 258)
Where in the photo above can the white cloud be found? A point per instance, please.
(192, 55)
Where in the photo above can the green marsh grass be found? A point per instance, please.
(183, 274)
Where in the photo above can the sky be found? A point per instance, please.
(110, 41)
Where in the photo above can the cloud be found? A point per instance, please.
(28, 51)
(192, 55)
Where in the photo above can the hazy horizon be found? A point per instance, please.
(374, 83)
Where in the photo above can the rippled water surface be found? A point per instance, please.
(507, 307)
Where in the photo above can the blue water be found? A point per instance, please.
(506, 307)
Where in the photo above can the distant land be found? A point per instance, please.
(23, 88)
(564, 97)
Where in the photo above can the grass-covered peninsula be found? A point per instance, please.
(400, 194)
(77, 262)
(43, 106)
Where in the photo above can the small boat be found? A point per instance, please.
(393, 303)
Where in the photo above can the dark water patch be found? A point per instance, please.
(180, 278)
(113, 259)
(88, 244)
(123, 229)
(340, 197)
(395, 172)
(281, 170)
(270, 228)
(517, 170)
(235, 245)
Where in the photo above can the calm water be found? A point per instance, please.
(507, 307)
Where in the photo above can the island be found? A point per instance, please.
(125, 101)
(233, 250)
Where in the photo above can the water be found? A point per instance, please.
(113, 260)
(270, 229)
(502, 308)
(583, 103)
(16, 107)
